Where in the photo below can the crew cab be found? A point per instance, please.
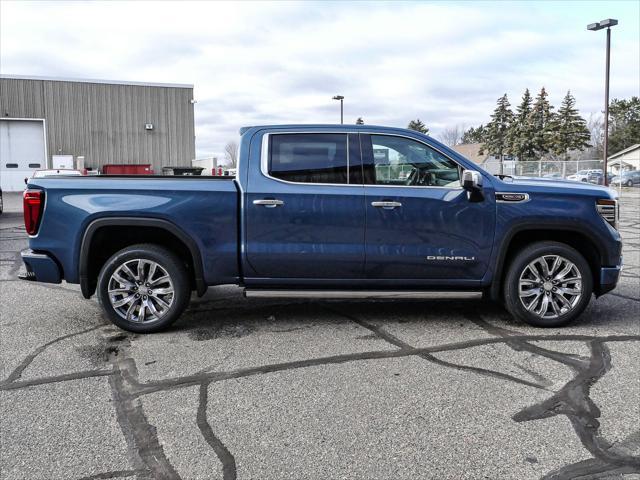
(326, 211)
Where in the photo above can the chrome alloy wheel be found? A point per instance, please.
(550, 286)
(141, 291)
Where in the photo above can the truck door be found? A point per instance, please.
(420, 222)
(304, 208)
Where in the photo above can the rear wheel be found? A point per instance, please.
(548, 284)
(629, 183)
(143, 288)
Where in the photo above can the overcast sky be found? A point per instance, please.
(281, 62)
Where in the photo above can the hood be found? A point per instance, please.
(552, 184)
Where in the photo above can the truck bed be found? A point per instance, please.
(203, 208)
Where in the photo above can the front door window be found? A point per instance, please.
(400, 161)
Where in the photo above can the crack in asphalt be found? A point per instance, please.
(56, 379)
(144, 448)
(389, 338)
(114, 474)
(224, 455)
(139, 389)
(516, 341)
(572, 400)
(594, 467)
(147, 454)
(17, 372)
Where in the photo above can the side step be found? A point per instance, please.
(362, 294)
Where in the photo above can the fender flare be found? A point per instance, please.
(496, 284)
(83, 262)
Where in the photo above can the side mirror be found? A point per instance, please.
(471, 181)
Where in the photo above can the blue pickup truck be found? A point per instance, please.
(326, 211)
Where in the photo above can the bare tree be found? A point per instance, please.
(596, 129)
(231, 154)
(452, 136)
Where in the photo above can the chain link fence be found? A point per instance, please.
(545, 168)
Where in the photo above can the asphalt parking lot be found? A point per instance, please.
(248, 388)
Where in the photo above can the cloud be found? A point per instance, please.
(281, 62)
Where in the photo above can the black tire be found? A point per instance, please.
(630, 183)
(519, 264)
(177, 300)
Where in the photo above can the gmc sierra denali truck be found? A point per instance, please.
(326, 211)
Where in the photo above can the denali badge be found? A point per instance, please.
(508, 197)
(449, 258)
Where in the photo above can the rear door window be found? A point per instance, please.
(309, 158)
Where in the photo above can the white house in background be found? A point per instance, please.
(627, 159)
(490, 163)
(471, 151)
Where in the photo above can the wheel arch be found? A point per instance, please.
(149, 230)
(573, 236)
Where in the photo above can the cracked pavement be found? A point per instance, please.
(255, 388)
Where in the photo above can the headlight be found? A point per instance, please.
(608, 210)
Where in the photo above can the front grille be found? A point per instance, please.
(608, 210)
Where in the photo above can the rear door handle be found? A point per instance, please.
(268, 202)
(386, 205)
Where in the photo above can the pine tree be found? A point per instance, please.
(542, 120)
(624, 124)
(496, 139)
(570, 130)
(359, 121)
(522, 131)
(474, 135)
(418, 126)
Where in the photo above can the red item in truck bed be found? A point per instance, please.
(127, 169)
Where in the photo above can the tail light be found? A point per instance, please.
(33, 202)
(608, 210)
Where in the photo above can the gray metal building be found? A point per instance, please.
(105, 122)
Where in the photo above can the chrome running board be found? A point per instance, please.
(363, 294)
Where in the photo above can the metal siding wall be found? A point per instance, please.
(105, 122)
(67, 119)
(21, 98)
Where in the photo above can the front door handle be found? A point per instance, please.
(268, 202)
(386, 205)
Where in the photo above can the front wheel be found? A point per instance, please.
(630, 183)
(548, 284)
(143, 288)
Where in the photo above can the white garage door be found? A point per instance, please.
(21, 152)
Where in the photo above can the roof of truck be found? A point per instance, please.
(332, 126)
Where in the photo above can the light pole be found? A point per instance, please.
(608, 23)
(341, 98)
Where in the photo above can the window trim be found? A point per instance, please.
(460, 167)
(264, 158)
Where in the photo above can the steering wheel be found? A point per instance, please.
(412, 177)
(419, 178)
(424, 178)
